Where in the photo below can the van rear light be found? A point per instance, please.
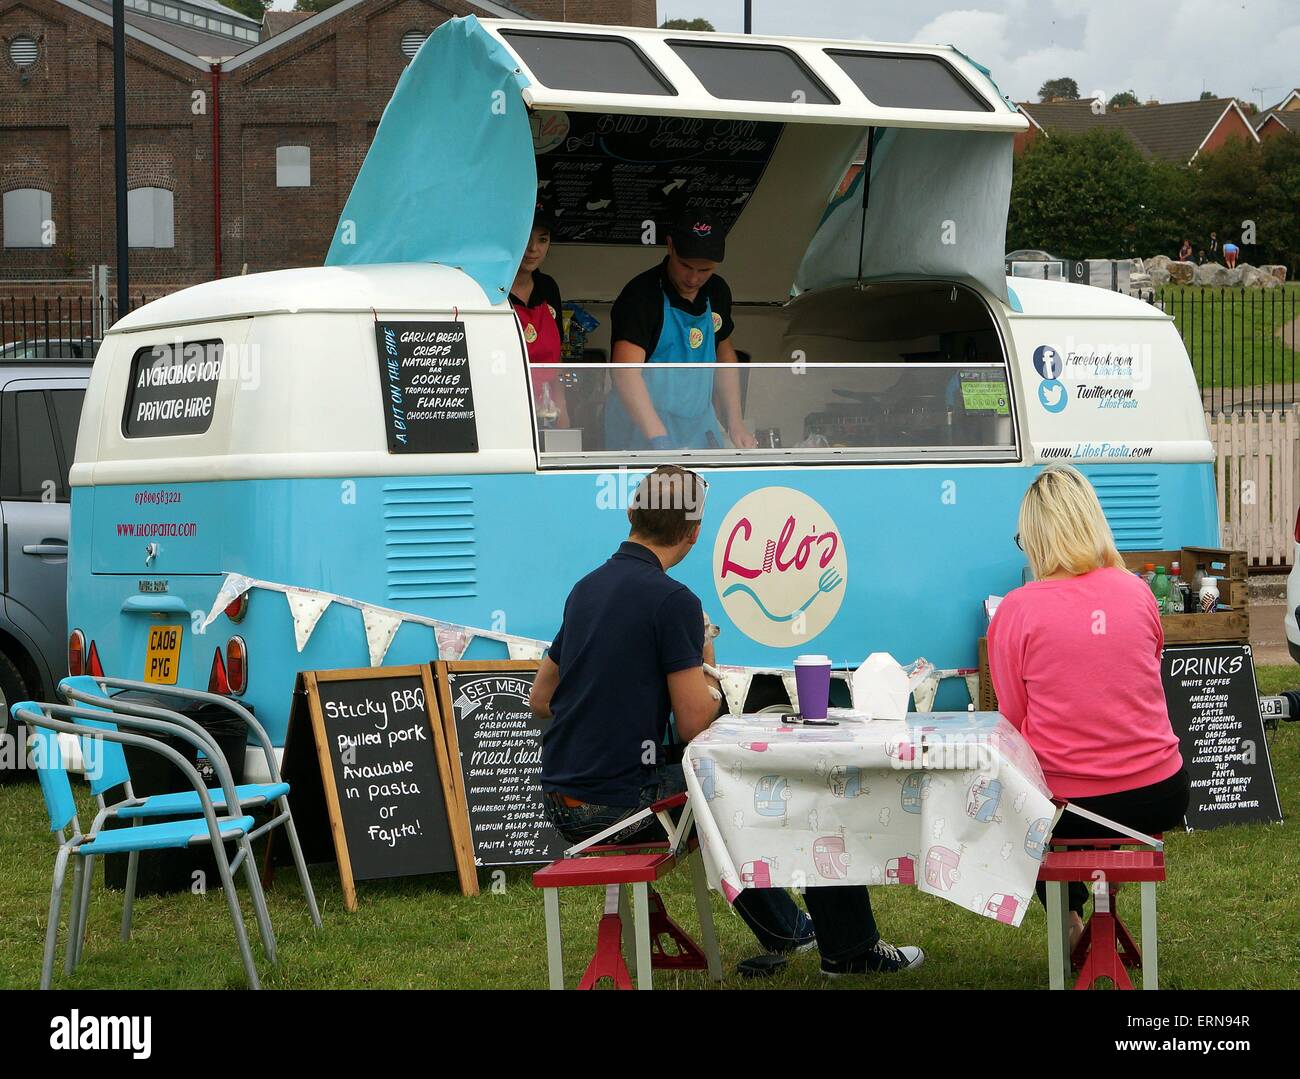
(1297, 526)
(76, 652)
(217, 682)
(93, 666)
(237, 665)
(236, 610)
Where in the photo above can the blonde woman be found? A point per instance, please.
(1075, 660)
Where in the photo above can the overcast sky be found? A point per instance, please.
(1169, 51)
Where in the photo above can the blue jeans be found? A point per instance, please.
(842, 917)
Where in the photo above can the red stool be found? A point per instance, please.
(1106, 947)
(659, 942)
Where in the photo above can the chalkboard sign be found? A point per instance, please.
(499, 743)
(606, 175)
(1214, 707)
(428, 395)
(172, 389)
(385, 784)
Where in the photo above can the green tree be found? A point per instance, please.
(1122, 100)
(1093, 195)
(313, 5)
(1207, 95)
(686, 24)
(254, 9)
(1063, 89)
(1242, 183)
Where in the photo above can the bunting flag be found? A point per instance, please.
(234, 586)
(381, 628)
(735, 687)
(452, 641)
(524, 648)
(306, 608)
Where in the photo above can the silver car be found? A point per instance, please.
(40, 406)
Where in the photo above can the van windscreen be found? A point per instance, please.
(172, 389)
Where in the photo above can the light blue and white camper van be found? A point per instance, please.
(902, 390)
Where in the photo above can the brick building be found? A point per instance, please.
(244, 138)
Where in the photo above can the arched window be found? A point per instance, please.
(26, 213)
(150, 217)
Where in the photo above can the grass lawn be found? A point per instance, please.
(1229, 918)
(1232, 334)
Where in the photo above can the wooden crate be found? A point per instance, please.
(1230, 567)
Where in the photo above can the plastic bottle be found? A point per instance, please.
(1177, 590)
(1160, 586)
(548, 413)
(1149, 573)
(1209, 595)
(1194, 594)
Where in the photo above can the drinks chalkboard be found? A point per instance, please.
(383, 777)
(1214, 707)
(498, 740)
(606, 175)
(428, 396)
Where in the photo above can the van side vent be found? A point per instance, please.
(429, 550)
(1131, 502)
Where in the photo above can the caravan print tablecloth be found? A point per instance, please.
(953, 802)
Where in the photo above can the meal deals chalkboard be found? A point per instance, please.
(606, 175)
(427, 392)
(1214, 708)
(385, 781)
(498, 741)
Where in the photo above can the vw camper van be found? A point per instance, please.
(367, 429)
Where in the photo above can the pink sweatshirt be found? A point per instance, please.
(1076, 667)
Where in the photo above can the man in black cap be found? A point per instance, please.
(677, 312)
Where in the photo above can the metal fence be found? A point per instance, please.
(1243, 344)
(58, 326)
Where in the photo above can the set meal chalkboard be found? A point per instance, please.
(386, 782)
(607, 175)
(427, 393)
(498, 740)
(1213, 704)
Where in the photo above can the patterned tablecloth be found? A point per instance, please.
(953, 802)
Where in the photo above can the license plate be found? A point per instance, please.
(1270, 707)
(163, 657)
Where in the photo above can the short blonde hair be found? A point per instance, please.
(1062, 527)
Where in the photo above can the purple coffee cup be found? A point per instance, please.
(812, 681)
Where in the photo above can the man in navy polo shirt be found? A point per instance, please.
(632, 649)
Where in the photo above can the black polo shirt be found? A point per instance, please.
(545, 289)
(638, 313)
(627, 626)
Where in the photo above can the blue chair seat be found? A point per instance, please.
(166, 805)
(174, 834)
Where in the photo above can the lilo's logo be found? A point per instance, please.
(780, 567)
(702, 229)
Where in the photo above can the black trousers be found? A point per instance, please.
(1155, 808)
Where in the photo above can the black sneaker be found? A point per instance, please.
(882, 958)
(804, 936)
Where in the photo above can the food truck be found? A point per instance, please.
(367, 429)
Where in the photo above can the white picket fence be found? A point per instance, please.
(1257, 474)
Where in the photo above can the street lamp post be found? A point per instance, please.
(119, 152)
(749, 16)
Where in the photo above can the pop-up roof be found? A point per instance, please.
(624, 130)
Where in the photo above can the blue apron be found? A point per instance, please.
(683, 399)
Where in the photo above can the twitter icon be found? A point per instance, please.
(1052, 395)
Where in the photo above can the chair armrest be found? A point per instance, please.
(242, 713)
(673, 801)
(60, 717)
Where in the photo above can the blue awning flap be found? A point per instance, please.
(450, 176)
(937, 207)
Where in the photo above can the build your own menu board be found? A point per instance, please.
(427, 393)
(365, 753)
(498, 740)
(605, 175)
(1214, 707)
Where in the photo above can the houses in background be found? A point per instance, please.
(1177, 132)
(244, 138)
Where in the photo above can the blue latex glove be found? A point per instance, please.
(662, 442)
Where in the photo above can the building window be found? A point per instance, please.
(293, 166)
(22, 51)
(26, 213)
(411, 42)
(150, 217)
